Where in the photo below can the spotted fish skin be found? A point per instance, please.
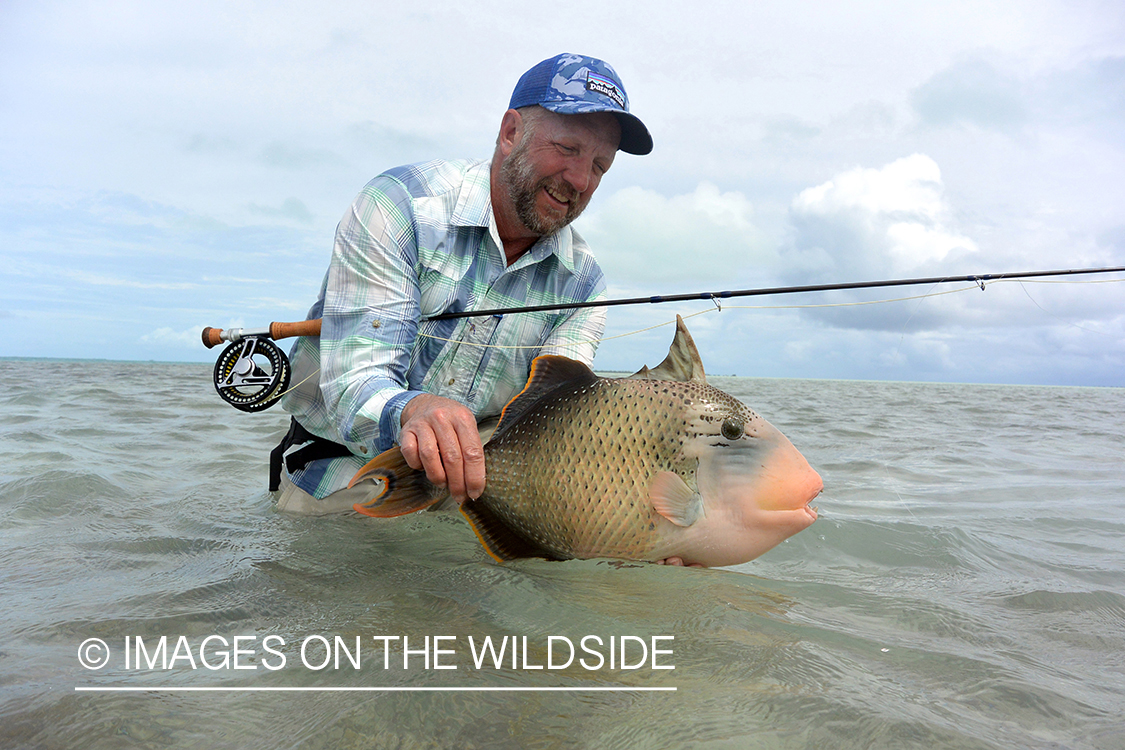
(657, 465)
(573, 474)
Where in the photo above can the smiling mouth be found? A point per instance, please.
(556, 196)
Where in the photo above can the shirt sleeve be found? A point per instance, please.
(580, 333)
(370, 316)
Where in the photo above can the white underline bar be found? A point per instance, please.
(370, 689)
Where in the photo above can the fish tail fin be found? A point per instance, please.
(498, 539)
(405, 490)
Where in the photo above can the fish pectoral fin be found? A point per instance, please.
(672, 498)
(405, 490)
(499, 540)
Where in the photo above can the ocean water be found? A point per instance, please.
(964, 587)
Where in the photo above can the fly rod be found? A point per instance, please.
(252, 372)
(979, 278)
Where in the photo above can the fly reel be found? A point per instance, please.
(253, 373)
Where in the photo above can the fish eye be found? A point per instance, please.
(732, 428)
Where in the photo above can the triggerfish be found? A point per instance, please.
(656, 465)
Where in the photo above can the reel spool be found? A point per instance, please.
(251, 374)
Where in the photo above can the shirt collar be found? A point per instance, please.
(474, 202)
(559, 244)
(474, 209)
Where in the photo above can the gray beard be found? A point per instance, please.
(519, 177)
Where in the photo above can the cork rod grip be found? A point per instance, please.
(303, 328)
(212, 337)
(215, 336)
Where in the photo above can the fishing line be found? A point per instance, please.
(297, 385)
(273, 397)
(978, 279)
(855, 304)
(1065, 281)
(894, 489)
(923, 296)
(906, 323)
(1056, 317)
(572, 343)
(717, 308)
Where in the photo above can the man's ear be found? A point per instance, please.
(511, 130)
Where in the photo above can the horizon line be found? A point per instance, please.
(362, 689)
(608, 371)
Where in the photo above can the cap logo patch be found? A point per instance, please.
(605, 86)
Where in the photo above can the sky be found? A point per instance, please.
(169, 166)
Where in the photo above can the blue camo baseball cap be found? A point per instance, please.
(575, 84)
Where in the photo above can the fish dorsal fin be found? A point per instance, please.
(549, 373)
(672, 498)
(499, 541)
(682, 363)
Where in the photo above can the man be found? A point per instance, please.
(441, 237)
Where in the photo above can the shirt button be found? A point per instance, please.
(363, 449)
(452, 381)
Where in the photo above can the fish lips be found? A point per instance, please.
(764, 472)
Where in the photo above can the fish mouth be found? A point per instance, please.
(813, 511)
(816, 487)
(783, 490)
(788, 483)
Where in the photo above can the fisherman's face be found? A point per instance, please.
(557, 165)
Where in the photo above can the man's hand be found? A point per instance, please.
(440, 436)
(677, 561)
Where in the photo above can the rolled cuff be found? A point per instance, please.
(390, 422)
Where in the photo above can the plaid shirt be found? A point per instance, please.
(419, 241)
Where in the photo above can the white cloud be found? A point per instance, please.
(915, 242)
(894, 217)
(641, 236)
(165, 336)
(909, 185)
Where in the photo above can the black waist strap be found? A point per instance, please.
(316, 449)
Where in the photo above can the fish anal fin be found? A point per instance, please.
(672, 498)
(405, 490)
(683, 362)
(499, 541)
(549, 373)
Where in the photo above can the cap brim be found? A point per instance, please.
(634, 135)
(635, 138)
